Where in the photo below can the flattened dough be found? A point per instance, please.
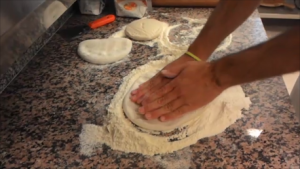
(131, 111)
(104, 51)
(225, 101)
(144, 29)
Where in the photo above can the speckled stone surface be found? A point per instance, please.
(43, 109)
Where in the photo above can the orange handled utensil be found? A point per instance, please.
(102, 21)
(75, 32)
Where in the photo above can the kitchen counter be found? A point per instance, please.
(42, 111)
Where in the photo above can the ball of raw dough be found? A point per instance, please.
(131, 110)
(229, 102)
(144, 29)
(53, 12)
(103, 51)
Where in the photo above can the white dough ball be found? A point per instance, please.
(144, 29)
(131, 110)
(104, 51)
(53, 12)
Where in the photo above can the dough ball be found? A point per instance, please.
(131, 111)
(104, 51)
(53, 12)
(144, 29)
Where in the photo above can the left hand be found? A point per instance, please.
(192, 88)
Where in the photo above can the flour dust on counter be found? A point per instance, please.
(181, 124)
(121, 134)
(124, 133)
(181, 159)
(104, 51)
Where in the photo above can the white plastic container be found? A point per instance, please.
(133, 8)
(91, 7)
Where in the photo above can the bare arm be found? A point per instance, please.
(227, 16)
(199, 83)
(275, 57)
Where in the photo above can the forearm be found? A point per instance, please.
(275, 57)
(226, 17)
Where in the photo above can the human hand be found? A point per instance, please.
(192, 88)
(159, 80)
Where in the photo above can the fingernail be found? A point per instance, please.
(148, 116)
(162, 118)
(141, 110)
(168, 74)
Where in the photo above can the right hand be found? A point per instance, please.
(195, 86)
(160, 79)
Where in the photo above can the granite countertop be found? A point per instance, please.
(42, 111)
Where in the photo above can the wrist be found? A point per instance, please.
(205, 44)
(186, 58)
(201, 48)
(220, 77)
(199, 52)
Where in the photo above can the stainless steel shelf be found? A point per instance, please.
(279, 13)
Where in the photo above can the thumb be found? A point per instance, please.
(172, 71)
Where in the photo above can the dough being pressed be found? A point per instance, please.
(224, 101)
(104, 51)
(131, 110)
(120, 134)
(144, 29)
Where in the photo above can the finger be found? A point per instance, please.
(136, 94)
(160, 98)
(140, 100)
(171, 70)
(166, 109)
(156, 93)
(133, 92)
(156, 82)
(168, 74)
(179, 112)
(143, 88)
(133, 95)
(163, 77)
(152, 86)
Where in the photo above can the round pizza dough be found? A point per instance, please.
(144, 29)
(131, 111)
(104, 51)
(226, 101)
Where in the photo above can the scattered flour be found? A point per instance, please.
(184, 38)
(120, 134)
(177, 160)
